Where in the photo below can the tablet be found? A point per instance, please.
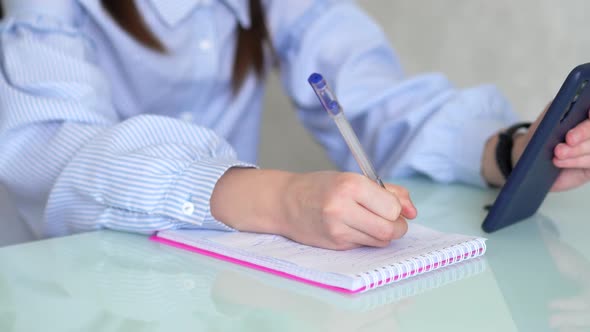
(534, 173)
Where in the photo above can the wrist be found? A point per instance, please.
(489, 168)
(251, 200)
(509, 145)
(293, 202)
(520, 142)
(501, 153)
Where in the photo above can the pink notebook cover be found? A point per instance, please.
(307, 281)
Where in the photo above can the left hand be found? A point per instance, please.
(572, 156)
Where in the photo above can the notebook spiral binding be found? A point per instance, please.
(424, 263)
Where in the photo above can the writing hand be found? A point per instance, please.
(345, 210)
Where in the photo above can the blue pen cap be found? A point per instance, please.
(316, 80)
(325, 95)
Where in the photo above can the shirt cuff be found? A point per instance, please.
(458, 157)
(452, 145)
(188, 201)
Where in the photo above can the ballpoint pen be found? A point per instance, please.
(331, 105)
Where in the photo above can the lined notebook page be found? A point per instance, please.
(337, 268)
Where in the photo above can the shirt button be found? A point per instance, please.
(188, 208)
(205, 45)
(186, 116)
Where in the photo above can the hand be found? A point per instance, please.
(331, 210)
(573, 156)
(345, 210)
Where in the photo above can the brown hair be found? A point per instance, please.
(250, 42)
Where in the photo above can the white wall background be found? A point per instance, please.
(525, 47)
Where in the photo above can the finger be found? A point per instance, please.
(381, 202)
(577, 162)
(571, 178)
(358, 238)
(364, 239)
(409, 210)
(376, 227)
(578, 134)
(565, 151)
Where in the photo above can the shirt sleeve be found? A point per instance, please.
(67, 156)
(408, 125)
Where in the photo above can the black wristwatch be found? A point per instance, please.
(504, 148)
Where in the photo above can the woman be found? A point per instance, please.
(142, 116)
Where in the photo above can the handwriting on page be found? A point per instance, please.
(418, 241)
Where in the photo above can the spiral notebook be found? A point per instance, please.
(352, 271)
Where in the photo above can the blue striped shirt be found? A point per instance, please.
(97, 131)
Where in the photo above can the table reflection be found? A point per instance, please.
(544, 281)
(119, 282)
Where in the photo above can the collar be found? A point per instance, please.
(173, 12)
